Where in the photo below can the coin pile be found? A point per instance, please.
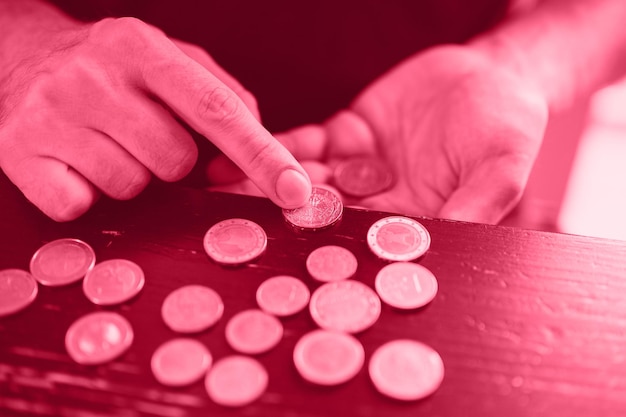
(341, 306)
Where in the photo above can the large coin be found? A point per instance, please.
(323, 209)
(113, 281)
(398, 238)
(253, 331)
(98, 338)
(406, 369)
(236, 380)
(331, 263)
(18, 289)
(345, 306)
(406, 285)
(62, 262)
(192, 309)
(328, 358)
(235, 241)
(180, 362)
(282, 295)
(362, 176)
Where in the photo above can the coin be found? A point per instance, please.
(236, 380)
(180, 361)
(235, 241)
(323, 209)
(282, 295)
(98, 338)
(253, 331)
(331, 263)
(405, 369)
(362, 176)
(192, 308)
(406, 285)
(113, 281)
(398, 238)
(62, 262)
(346, 306)
(328, 358)
(18, 289)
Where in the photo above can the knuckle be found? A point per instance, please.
(218, 104)
(177, 164)
(129, 187)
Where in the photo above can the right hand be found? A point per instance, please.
(101, 108)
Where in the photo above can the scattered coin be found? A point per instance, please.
(362, 176)
(398, 238)
(113, 281)
(406, 369)
(98, 338)
(323, 209)
(346, 306)
(282, 295)
(62, 262)
(253, 331)
(328, 358)
(235, 241)
(18, 289)
(192, 309)
(180, 361)
(406, 285)
(236, 380)
(331, 263)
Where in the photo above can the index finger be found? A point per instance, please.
(215, 111)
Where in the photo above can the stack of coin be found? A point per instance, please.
(323, 210)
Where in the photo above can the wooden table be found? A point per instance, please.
(527, 323)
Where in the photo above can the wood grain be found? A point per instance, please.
(528, 323)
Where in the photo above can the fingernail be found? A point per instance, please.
(292, 188)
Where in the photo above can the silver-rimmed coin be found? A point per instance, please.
(406, 285)
(398, 238)
(406, 370)
(236, 380)
(328, 358)
(323, 209)
(18, 289)
(346, 306)
(62, 262)
(282, 295)
(331, 263)
(192, 309)
(253, 331)
(113, 281)
(98, 338)
(235, 241)
(179, 362)
(362, 176)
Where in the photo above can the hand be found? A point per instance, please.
(104, 106)
(461, 134)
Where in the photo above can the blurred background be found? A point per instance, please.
(578, 184)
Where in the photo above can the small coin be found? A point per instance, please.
(180, 361)
(363, 176)
(62, 262)
(398, 238)
(18, 289)
(323, 209)
(236, 380)
(328, 358)
(346, 306)
(192, 309)
(282, 295)
(406, 285)
(405, 369)
(253, 331)
(235, 241)
(98, 338)
(113, 281)
(331, 263)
